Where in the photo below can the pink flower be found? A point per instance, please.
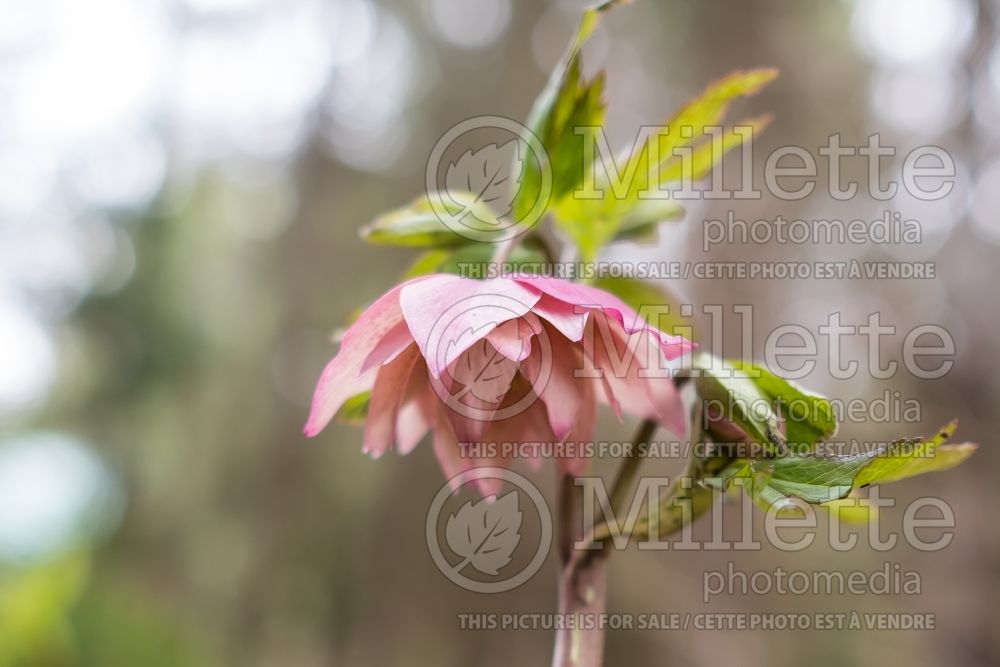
(508, 360)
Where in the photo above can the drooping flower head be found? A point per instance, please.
(523, 359)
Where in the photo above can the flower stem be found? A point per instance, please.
(583, 571)
(502, 251)
(583, 575)
(582, 594)
(582, 587)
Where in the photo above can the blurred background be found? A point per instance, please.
(181, 182)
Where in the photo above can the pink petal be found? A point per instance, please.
(342, 377)
(453, 462)
(668, 405)
(512, 339)
(657, 378)
(675, 346)
(556, 385)
(418, 412)
(446, 314)
(568, 319)
(533, 322)
(474, 386)
(411, 426)
(618, 367)
(584, 295)
(634, 374)
(391, 346)
(387, 395)
(447, 452)
(577, 294)
(592, 373)
(583, 430)
(529, 426)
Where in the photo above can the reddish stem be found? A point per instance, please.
(582, 588)
(582, 595)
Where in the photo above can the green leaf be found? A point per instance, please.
(707, 154)
(736, 396)
(647, 171)
(814, 479)
(822, 480)
(642, 220)
(906, 458)
(809, 417)
(852, 510)
(708, 109)
(593, 223)
(741, 474)
(566, 103)
(354, 411)
(590, 223)
(580, 104)
(420, 225)
(473, 261)
(427, 262)
(770, 499)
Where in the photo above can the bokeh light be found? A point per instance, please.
(470, 24)
(27, 356)
(911, 31)
(55, 495)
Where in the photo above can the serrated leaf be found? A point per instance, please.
(649, 169)
(590, 223)
(753, 481)
(486, 533)
(419, 225)
(477, 257)
(814, 479)
(593, 223)
(707, 153)
(706, 110)
(907, 458)
(735, 394)
(809, 416)
(823, 480)
(566, 103)
(642, 221)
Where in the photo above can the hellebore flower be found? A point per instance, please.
(507, 360)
